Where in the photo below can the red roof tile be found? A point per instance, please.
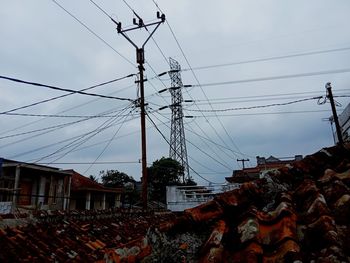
(299, 214)
(82, 183)
(302, 212)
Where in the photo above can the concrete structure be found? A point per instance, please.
(179, 198)
(32, 186)
(87, 194)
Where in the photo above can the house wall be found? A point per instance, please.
(38, 189)
(178, 199)
(79, 200)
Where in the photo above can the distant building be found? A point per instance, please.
(179, 198)
(87, 194)
(32, 186)
(344, 122)
(264, 165)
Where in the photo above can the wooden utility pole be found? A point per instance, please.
(335, 116)
(140, 59)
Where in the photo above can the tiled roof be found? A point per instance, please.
(82, 183)
(74, 236)
(297, 214)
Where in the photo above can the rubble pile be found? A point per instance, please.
(301, 213)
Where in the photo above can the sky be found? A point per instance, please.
(238, 59)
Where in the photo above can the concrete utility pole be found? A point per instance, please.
(140, 59)
(243, 161)
(334, 111)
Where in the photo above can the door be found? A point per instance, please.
(25, 194)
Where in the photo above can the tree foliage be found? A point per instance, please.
(114, 178)
(93, 178)
(162, 173)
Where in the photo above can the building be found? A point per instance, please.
(32, 186)
(264, 165)
(179, 198)
(87, 194)
(344, 122)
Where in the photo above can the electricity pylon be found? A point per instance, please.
(178, 149)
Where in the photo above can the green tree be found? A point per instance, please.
(93, 178)
(162, 173)
(114, 178)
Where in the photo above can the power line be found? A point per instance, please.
(92, 32)
(268, 95)
(230, 101)
(80, 140)
(64, 125)
(88, 163)
(63, 111)
(70, 139)
(259, 106)
(155, 42)
(269, 58)
(134, 12)
(264, 113)
(199, 85)
(62, 89)
(211, 141)
(171, 146)
(47, 130)
(326, 72)
(59, 116)
(106, 146)
(206, 137)
(53, 128)
(191, 158)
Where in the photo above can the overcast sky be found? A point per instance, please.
(254, 47)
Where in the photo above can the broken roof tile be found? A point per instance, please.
(300, 213)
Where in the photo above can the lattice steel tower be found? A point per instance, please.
(178, 150)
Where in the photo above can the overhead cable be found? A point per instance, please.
(66, 90)
(92, 32)
(62, 89)
(106, 146)
(264, 113)
(199, 85)
(59, 126)
(269, 58)
(309, 74)
(88, 163)
(80, 140)
(172, 146)
(257, 107)
(63, 111)
(58, 115)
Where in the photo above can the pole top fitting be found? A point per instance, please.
(161, 16)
